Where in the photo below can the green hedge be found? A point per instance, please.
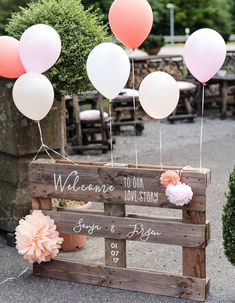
(80, 31)
(229, 221)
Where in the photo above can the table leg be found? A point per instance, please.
(224, 100)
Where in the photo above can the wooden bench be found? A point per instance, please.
(124, 114)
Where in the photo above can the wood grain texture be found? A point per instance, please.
(126, 279)
(194, 259)
(171, 233)
(115, 250)
(41, 203)
(151, 193)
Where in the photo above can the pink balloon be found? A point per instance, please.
(10, 64)
(40, 48)
(131, 21)
(204, 53)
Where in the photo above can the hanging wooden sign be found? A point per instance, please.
(117, 187)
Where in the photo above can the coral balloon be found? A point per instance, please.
(131, 21)
(10, 63)
(33, 95)
(159, 95)
(40, 48)
(204, 53)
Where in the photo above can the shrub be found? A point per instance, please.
(229, 221)
(153, 44)
(153, 41)
(80, 31)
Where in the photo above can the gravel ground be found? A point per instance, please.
(180, 147)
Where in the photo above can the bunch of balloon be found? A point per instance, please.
(37, 51)
(204, 55)
(159, 95)
(108, 68)
(131, 22)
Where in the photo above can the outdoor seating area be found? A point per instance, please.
(90, 131)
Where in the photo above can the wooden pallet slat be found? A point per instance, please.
(171, 233)
(121, 278)
(115, 249)
(104, 184)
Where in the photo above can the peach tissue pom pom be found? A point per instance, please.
(37, 239)
(170, 177)
(179, 194)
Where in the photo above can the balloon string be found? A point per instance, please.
(111, 132)
(160, 143)
(135, 114)
(43, 146)
(202, 124)
(46, 148)
(180, 172)
(14, 278)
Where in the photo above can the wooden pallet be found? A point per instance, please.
(117, 187)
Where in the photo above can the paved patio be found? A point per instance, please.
(180, 147)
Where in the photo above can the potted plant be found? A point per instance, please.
(153, 44)
(228, 221)
(72, 242)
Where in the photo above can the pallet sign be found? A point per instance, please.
(117, 187)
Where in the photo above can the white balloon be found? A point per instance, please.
(40, 48)
(159, 95)
(33, 95)
(108, 68)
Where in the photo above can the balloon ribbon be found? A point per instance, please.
(135, 113)
(202, 123)
(111, 132)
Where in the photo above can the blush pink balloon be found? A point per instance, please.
(204, 54)
(131, 21)
(10, 64)
(40, 48)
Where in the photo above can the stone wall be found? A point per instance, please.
(19, 141)
(173, 65)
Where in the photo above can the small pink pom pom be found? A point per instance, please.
(37, 239)
(179, 194)
(169, 177)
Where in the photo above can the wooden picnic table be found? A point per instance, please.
(124, 113)
(184, 109)
(225, 81)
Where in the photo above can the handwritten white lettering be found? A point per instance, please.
(72, 180)
(89, 228)
(138, 230)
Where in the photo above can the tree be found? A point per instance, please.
(232, 10)
(229, 221)
(103, 5)
(193, 14)
(80, 31)
(203, 13)
(6, 8)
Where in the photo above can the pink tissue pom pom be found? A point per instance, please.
(37, 239)
(169, 177)
(179, 194)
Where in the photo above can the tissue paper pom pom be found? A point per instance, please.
(169, 177)
(37, 239)
(179, 194)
